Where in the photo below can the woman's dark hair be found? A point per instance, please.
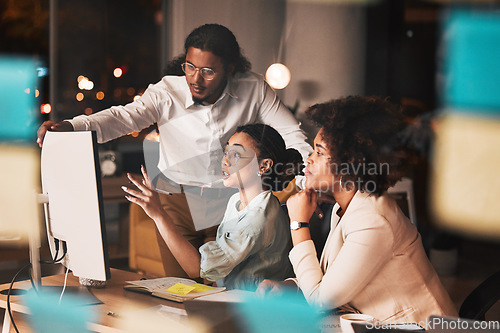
(220, 41)
(363, 136)
(287, 163)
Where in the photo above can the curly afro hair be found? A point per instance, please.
(363, 136)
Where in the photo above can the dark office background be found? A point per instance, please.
(400, 41)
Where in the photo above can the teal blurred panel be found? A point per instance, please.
(18, 111)
(285, 313)
(472, 61)
(50, 314)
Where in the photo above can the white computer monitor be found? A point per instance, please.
(71, 184)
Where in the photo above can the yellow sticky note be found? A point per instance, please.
(198, 288)
(181, 289)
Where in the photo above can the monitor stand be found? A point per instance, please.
(35, 243)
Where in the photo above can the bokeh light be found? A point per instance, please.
(117, 72)
(45, 108)
(278, 76)
(84, 83)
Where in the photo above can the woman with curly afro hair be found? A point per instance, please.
(373, 260)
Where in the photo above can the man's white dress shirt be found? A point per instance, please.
(193, 136)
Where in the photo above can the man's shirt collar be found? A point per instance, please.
(229, 90)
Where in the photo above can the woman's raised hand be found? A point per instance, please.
(147, 198)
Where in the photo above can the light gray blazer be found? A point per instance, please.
(374, 261)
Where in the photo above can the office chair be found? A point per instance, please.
(402, 192)
(481, 299)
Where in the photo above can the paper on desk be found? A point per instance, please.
(157, 319)
(162, 310)
(167, 311)
(230, 296)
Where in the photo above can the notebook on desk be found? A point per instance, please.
(172, 288)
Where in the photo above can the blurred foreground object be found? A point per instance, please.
(288, 312)
(19, 157)
(18, 112)
(19, 167)
(51, 312)
(465, 180)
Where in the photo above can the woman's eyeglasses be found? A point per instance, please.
(232, 156)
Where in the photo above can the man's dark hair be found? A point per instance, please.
(174, 66)
(221, 42)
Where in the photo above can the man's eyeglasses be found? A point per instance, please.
(205, 72)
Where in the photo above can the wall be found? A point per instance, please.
(256, 24)
(323, 44)
(325, 53)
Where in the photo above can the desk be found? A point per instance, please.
(113, 297)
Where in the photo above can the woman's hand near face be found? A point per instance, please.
(302, 205)
(147, 198)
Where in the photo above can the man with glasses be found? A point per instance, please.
(196, 115)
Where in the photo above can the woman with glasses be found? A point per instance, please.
(373, 259)
(253, 239)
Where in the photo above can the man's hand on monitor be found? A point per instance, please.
(51, 125)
